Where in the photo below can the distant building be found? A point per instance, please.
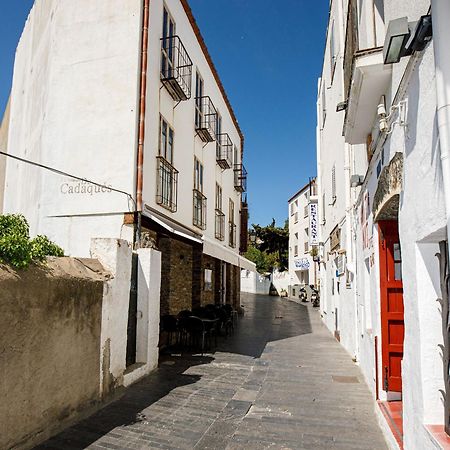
(125, 94)
(303, 238)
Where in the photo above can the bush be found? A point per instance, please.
(42, 246)
(17, 249)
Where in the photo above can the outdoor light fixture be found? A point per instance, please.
(403, 38)
(396, 37)
(356, 180)
(341, 106)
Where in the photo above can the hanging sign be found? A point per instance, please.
(313, 230)
(302, 263)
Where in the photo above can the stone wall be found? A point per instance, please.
(50, 328)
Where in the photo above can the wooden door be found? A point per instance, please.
(391, 293)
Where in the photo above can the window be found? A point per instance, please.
(218, 132)
(306, 247)
(305, 211)
(167, 175)
(235, 156)
(198, 175)
(198, 100)
(333, 184)
(324, 106)
(199, 200)
(232, 225)
(292, 209)
(324, 220)
(296, 244)
(220, 216)
(166, 139)
(333, 52)
(167, 47)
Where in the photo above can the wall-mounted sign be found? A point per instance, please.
(340, 265)
(335, 239)
(313, 231)
(302, 263)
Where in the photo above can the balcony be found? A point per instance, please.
(167, 184)
(370, 79)
(240, 178)
(232, 234)
(176, 68)
(205, 119)
(224, 150)
(199, 210)
(220, 225)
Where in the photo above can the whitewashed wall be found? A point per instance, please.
(4, 127)
(181, 117)
(74, 107)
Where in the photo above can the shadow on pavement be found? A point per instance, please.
(266, 319)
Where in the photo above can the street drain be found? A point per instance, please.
(344, 379)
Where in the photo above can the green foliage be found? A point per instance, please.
(273, 241)
(42, 246)
(17, 249)
(264, 262)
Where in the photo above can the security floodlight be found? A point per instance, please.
(341, 106)
(397, 35)
(421, 35)
(356, 180)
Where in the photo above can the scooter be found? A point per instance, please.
(315, 298)
(303, 295)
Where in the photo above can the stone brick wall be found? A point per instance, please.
(177, 270)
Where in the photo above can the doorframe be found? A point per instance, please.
(390, 229)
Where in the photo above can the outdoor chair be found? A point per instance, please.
(169, 324)
(198, 333)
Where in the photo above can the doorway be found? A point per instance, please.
(223, 283)
(392, 312)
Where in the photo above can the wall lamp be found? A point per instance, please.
(403, 38)
(356, 180)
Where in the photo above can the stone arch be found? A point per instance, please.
(386, 200)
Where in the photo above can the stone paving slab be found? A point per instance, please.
(280, 382)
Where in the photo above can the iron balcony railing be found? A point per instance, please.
(240, 178)
(232, 234)
(205, 119)
(199, 209)
(167, 184)
(224, 150)
(220, 225)
(176, 68)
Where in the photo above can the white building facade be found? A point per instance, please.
(394, 178)
(124, 100)
(303, 239)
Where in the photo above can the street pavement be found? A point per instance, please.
(280, 382)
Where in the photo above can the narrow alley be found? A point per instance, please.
(281, 381)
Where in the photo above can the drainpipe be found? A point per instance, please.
(441, 37)
(440, 13)
(142, 107)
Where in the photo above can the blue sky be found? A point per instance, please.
(269, 56)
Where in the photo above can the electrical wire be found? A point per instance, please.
(60, 172)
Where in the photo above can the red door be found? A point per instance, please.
(392, 320)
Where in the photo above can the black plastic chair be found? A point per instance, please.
(197, 332)
(169, 324)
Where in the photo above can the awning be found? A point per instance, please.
(220, 252)
(171, 226)
(244, 263)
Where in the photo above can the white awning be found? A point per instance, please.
(244, 263)
(174, 228)
(220, 252)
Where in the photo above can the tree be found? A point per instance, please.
(272, 243)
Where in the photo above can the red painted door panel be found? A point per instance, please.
(392, 318)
